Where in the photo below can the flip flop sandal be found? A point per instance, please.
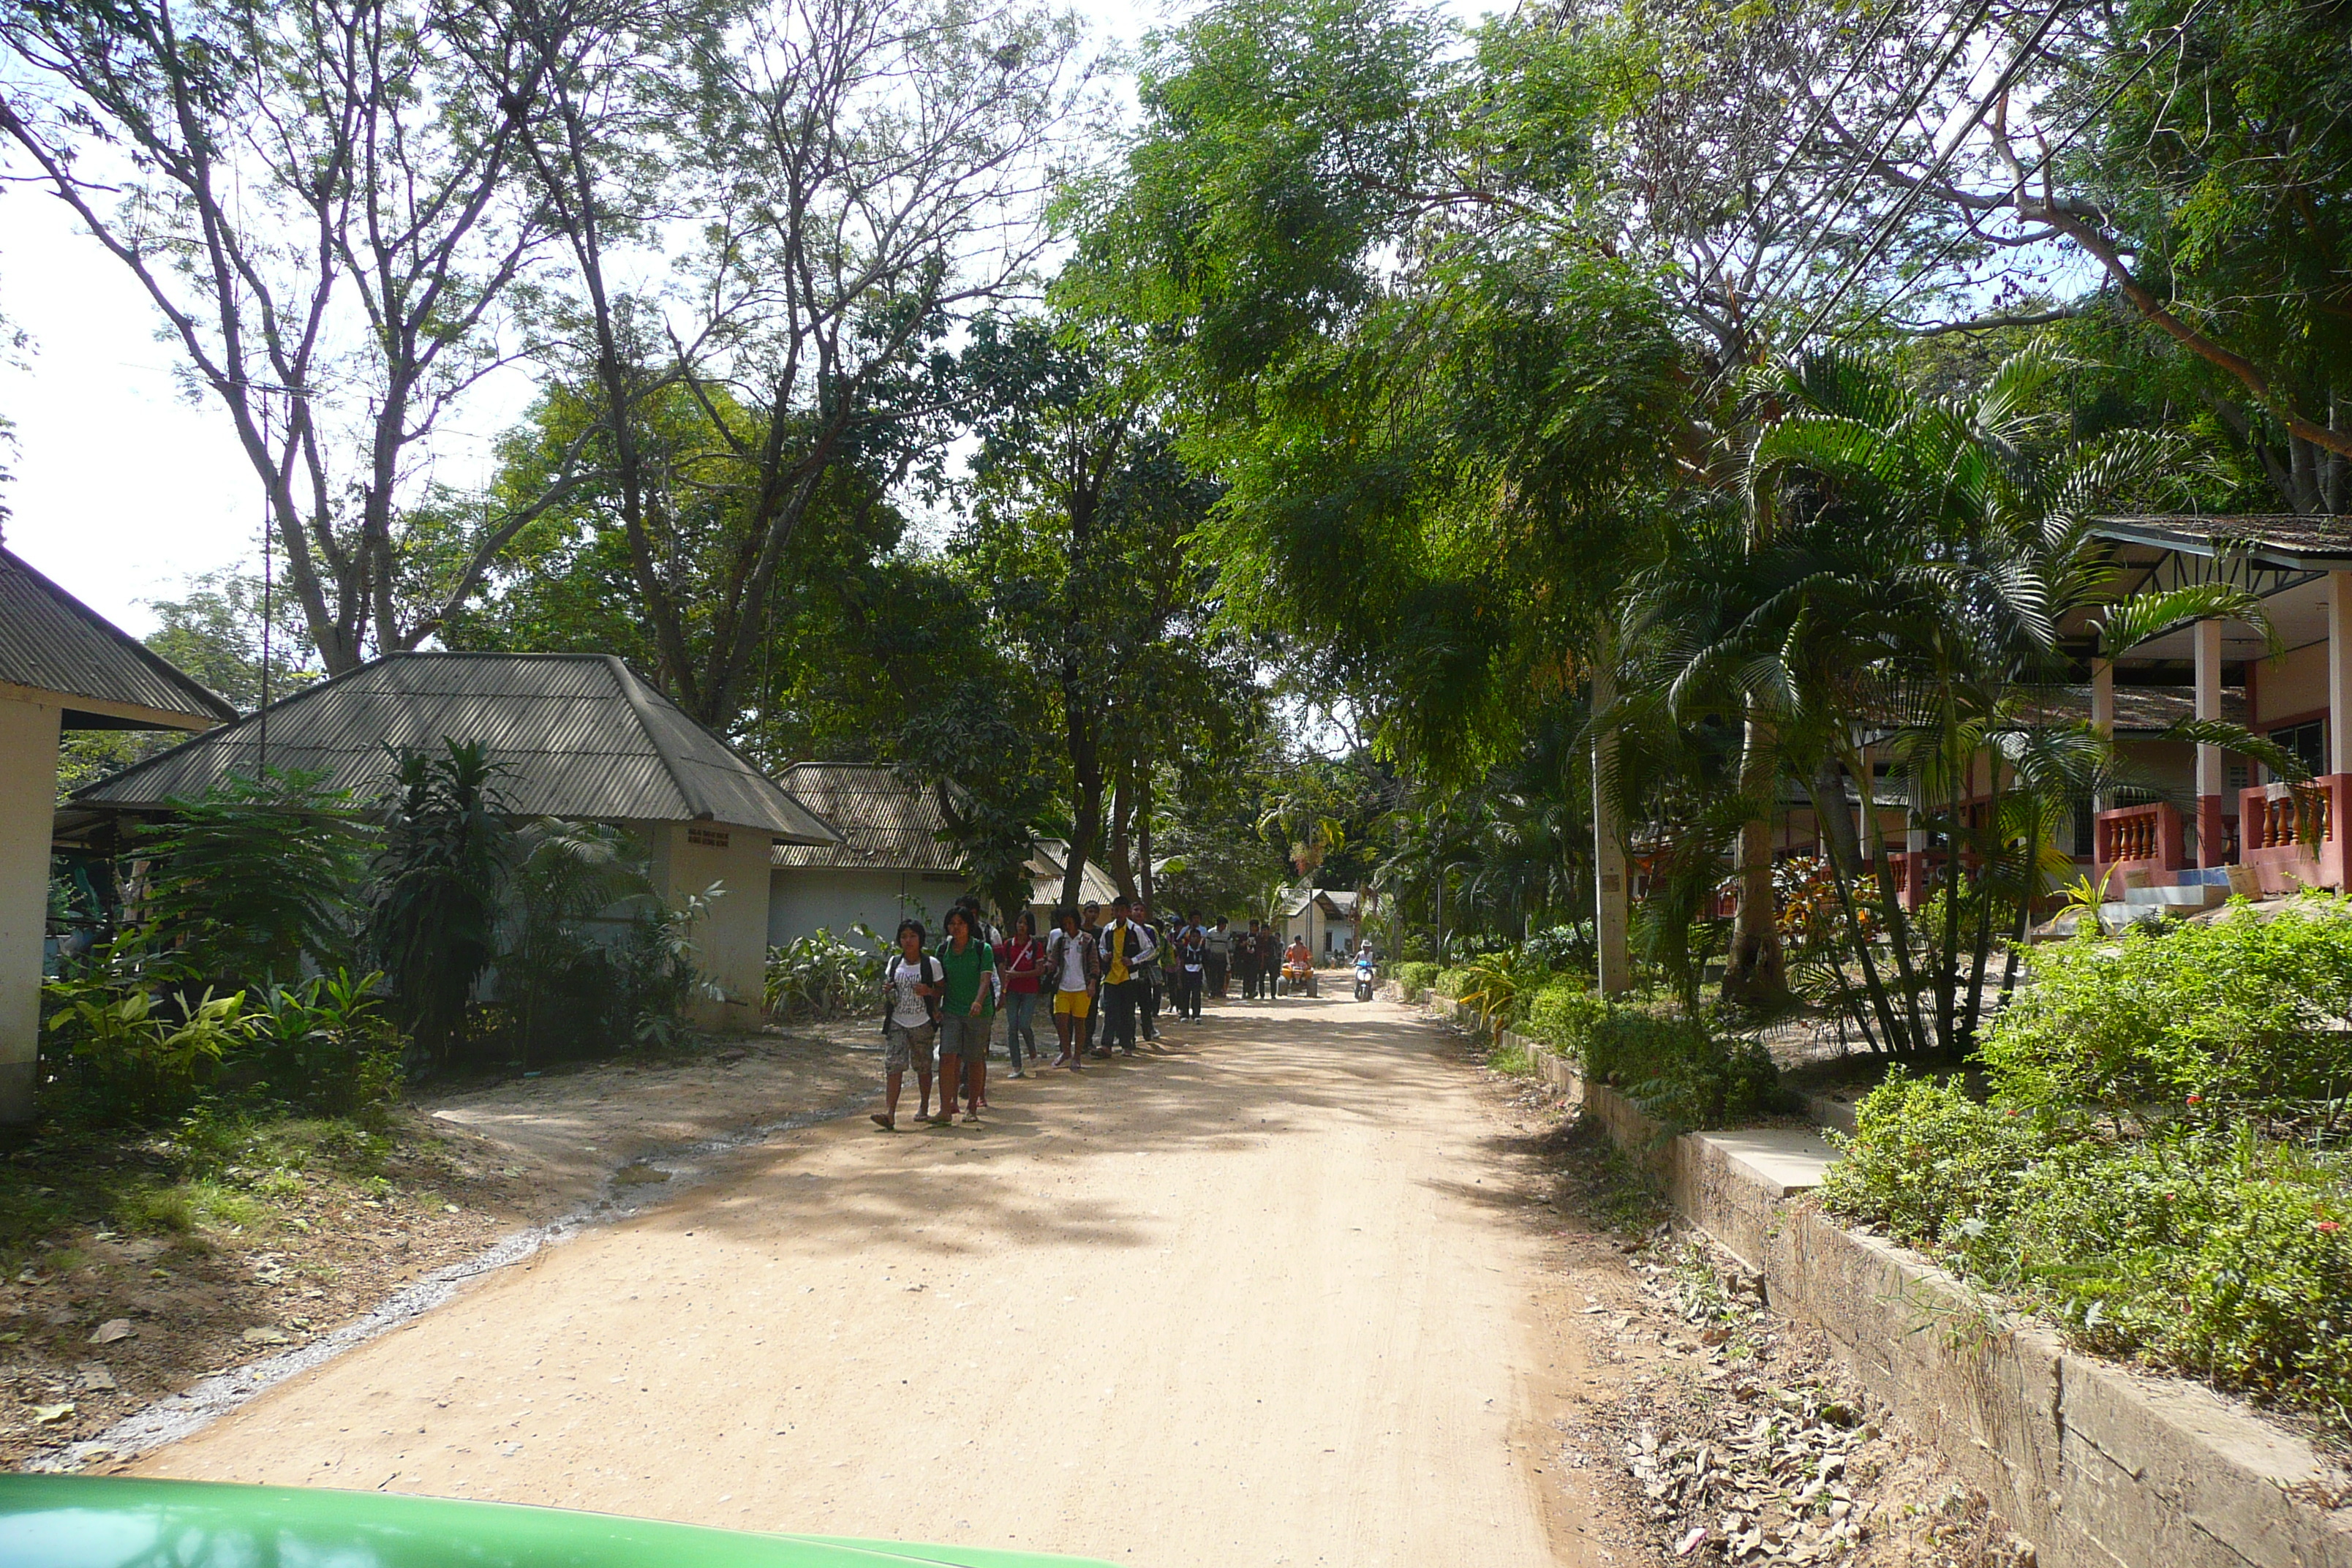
(887, 1124)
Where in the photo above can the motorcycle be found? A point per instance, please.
(1367, 978)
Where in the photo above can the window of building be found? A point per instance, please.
(2306, 743)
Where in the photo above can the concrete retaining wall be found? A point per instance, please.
(2098, 1465)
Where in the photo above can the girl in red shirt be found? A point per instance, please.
(1020, 958)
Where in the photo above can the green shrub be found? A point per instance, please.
(1415, 978)
(822, 976)
(253, 880)
(1451, 983)
(2208, 1250)
(2240, 1010)
(1678, 1069)
(329, 1046)
(130, 1052)
(1563, 1014)
(1925, 1156)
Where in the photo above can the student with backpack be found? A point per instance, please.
(967, 1014)
(1021, 962)
(1129, 952)
(911, 985)
(1074, 971)
(1191, 960)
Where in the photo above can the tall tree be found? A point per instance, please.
(318, 199)
(865, 174)
(1083, 520)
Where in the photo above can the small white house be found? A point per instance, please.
(573, 735)
(1326, 917)
(893, 861)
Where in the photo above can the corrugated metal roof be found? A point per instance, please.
(1050, 863)
(884, 820)
(1338, 904)
(2295, 539)
(578, 734)
(51, 641)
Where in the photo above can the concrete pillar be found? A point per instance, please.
(28, 797)
(2210, 779)
(1613, 962)
(2102, 714)
(2339, 672)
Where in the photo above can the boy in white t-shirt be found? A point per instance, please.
(911, 985)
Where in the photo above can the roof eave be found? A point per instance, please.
(136, 713)
(2208, 546)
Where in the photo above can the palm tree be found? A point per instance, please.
(1893, 595)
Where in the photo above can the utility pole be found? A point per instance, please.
(1611, 960)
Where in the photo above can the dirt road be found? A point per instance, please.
(1267, 1299)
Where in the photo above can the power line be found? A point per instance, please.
(1911, 199)
(1893, 126)
(2179, 32)
(1821, 111)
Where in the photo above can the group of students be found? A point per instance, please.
(1101, 981)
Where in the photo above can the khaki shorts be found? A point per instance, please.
(1074, 1003)
(903, 1047)
(961, 1034)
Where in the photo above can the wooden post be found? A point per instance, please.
(2103, 714)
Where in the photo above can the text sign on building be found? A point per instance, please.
(709, 837)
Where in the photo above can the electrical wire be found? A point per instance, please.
(1892, 125)
(2179, 31)
(1911, 198)
(1821, 106)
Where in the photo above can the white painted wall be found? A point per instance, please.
(688, 858)
(1323, 934)
(28, 794)
(803, 899)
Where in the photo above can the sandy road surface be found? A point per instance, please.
(1261, 1300)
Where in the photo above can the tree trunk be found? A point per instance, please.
(1143, 835)
(1118, 863)
(1753, 972)
(1086, 784)
(1846, 865)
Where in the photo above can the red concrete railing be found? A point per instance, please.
(2292, 836)
(2139, 838)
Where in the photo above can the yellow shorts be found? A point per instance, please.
(1076, 1004)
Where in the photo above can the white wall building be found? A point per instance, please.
(892, 863)
(62, 666)
(1326, 917)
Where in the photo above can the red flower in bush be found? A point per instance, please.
(2196, 1100)
(2328, 1227)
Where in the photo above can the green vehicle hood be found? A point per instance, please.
(94, 1522)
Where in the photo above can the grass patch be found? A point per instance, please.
(224, 1166)
(1511, 1060)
